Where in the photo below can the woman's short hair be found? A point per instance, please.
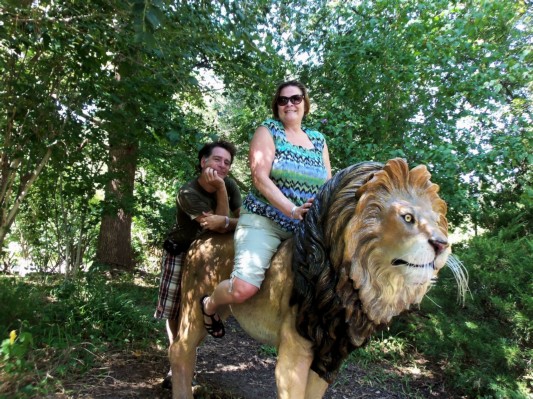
(307, 103)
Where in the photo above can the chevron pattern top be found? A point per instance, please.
(298, 172)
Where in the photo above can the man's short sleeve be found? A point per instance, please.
(234, 195)
(192, 202)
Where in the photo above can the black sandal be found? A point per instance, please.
(216, 326)
(167, 382)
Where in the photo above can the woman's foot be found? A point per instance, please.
(212, 322)
(167, 382)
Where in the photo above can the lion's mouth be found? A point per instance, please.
(400, 262)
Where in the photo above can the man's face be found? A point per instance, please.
(219, 160)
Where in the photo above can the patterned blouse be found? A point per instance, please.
(298, 172)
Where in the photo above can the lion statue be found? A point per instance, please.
(369, 248)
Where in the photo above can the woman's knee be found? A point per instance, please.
(242, 290)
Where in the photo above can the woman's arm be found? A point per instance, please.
(261, 156)
(325, 156)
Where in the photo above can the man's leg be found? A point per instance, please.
(172, 330)
(169, 301)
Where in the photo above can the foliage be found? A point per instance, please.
(14, 350)
(58, 224)
(441, 83)
(15, 359)
(50, 68)
(451, 339)
(113, 75)
(66, 326)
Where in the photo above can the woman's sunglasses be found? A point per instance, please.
(296, 99)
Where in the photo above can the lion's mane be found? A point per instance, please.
(338, 307)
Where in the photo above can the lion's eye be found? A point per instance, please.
(408, 218)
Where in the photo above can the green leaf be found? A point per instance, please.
(153, 16)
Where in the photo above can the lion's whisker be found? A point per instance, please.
(461, 277)
(434, 303)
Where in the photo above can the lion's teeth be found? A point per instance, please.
(399, 262)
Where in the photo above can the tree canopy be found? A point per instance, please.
(442, 83)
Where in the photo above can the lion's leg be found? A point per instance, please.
(172, 330)
(183, 363)
(316, 386)
(208, 261)
(182, 353)
(294, 361)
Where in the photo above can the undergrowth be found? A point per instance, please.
(53, 328)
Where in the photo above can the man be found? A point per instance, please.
(203, 204)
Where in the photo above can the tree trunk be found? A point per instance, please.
(114, 240)
(79, 247)
(9, 201)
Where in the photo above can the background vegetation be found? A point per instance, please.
(104, 105)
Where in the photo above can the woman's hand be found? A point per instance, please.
(299, 212)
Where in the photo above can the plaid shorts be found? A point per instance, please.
(168, 303)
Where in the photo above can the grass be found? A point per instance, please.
(63, 328)
(71, 324)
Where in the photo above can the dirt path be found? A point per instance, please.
(235, 367)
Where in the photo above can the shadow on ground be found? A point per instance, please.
(235, 367)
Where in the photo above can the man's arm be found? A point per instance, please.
(219, 223)
(211, 177)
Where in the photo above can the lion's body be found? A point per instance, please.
(368, 249)
(263, 317)
(275, 291)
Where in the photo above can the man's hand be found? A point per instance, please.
(212, 178)
(212, 222)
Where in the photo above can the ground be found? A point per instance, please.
(237, 367)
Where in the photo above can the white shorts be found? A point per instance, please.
(257, 239)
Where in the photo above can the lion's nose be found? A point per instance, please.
(438, 244)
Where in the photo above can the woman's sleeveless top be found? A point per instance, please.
(298, 172)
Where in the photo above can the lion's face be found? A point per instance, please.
(397, 241)
(412, 241)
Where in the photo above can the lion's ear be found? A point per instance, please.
(365, 184)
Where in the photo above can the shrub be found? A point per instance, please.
(63, 326)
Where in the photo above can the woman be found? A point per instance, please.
(289, 163)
